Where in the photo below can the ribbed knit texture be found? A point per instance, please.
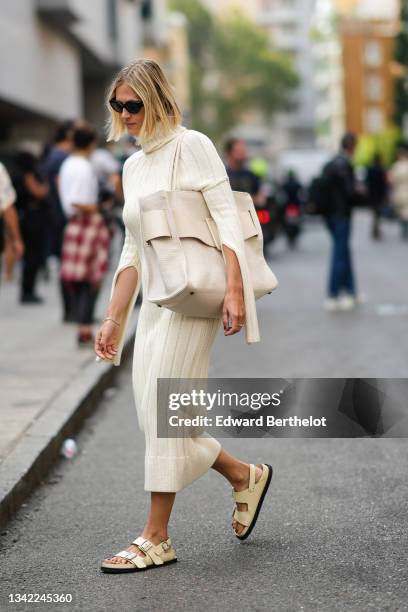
(168, 344)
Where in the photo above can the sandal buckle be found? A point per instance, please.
(165, 546)
(146, 545)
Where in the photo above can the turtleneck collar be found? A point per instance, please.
(156, 142)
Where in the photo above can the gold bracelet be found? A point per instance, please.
(113, 321)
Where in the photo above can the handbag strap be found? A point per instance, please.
(175, 162)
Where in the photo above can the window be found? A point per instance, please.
(374, 120)
(374, 87)
(112, 20)
(146, 9)
(373, 55)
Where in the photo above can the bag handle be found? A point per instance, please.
(175, 161)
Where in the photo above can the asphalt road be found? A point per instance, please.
(332, 535)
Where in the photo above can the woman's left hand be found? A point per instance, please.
(233, 313)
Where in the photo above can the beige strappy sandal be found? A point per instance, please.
(155, 556)
(253, 497)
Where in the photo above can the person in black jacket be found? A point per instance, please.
(32, 191)
(240, 176)
(341, 186)
(51, 166)
(377, 188)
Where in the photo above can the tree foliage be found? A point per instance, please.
(384, 144)
(234, 68)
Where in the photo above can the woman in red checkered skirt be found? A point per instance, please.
(86, 239)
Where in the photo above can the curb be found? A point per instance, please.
(29, 462)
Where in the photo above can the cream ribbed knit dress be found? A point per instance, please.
(168, 344)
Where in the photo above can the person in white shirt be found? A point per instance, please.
(78, 183)
(8, 215)
(85, 245)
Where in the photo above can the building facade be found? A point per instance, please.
(368, 47)
(57, 58)
(368, 29)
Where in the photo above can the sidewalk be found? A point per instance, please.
(47, 384)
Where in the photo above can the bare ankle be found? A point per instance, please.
(155, 534)
(240, 477)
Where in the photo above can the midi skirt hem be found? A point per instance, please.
(172, 474)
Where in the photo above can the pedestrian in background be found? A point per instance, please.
(52, 163)
(240, 176)
(32, 205)
(108, 171)
(341, 193)
(291, 196)
(86, 238)
(292, 189)
(8, 216)
(399, 183)
(377, 190)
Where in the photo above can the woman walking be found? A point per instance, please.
(169, 344)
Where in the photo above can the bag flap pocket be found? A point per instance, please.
(155, 224)
(249, 228)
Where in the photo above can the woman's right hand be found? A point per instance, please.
(107, 340)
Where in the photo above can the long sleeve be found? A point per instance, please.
(128, 258)
(204, 171)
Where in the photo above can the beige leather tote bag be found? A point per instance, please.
(186, 271)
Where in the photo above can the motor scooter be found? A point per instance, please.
(292, 222)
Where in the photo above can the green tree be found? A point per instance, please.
(385, 144)
(234, 68)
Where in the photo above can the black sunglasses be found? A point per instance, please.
(132, 106)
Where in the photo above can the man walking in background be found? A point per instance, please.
(340, 193)
(54, 159)
(377, 191)
(241, 178)
(32, 205)
(52, 163)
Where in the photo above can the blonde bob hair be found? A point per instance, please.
(162, 113)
